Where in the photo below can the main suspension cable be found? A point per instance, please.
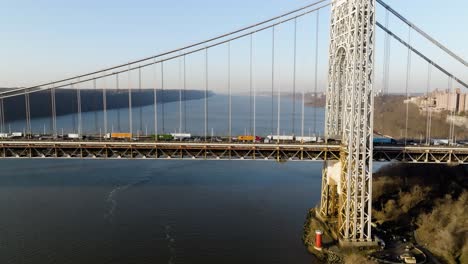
(424, 34)
(440, 68)
(183, 48)
(33, 89)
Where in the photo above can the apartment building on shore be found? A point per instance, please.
(444, 100)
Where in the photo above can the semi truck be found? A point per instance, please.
(249, 138)
(181, 136)
(17, 135)
(309, 139)
(118, 136)
(270, 138)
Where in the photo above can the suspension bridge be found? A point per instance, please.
(273, 121)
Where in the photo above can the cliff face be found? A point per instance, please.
(91, 100)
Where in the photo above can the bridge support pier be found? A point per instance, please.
(330, 181)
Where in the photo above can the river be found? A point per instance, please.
(146, 211)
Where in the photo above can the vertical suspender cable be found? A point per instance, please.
(78, 103)
(428, 116)
(387, 64)
(452, 106)
(130, 118)
(117, 85)
(272, 77)
(229, 92)
(408, 72)
(2, 117)
(294, 79)
(303, 111)
(250, 89)
(278, 108)
(104, 103)
(140, 109)
(316, 70)
(185, 94)
(54, 111)
(206, 93)
(162, 98)
(96, 125)
(155, 102)
(28, 114)
(180, 94)
(386, 56)
(254, 93)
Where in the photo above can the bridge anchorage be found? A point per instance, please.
(346, 201)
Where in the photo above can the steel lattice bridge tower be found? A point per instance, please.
(348, 151)
(347, 183)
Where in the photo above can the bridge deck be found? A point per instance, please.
(221, 151)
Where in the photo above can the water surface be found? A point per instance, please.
(74, 211)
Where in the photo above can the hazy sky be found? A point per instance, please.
(43, 40)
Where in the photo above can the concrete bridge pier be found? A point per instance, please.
(331, 174)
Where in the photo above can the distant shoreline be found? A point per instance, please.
(92, 100)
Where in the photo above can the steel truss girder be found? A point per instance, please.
(426, 154)
(207, 151)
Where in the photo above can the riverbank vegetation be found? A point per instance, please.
(430, 201)
(425, 205)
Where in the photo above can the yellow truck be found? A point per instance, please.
(245, 138)
(119, 135)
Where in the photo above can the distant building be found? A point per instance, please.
(441, 100)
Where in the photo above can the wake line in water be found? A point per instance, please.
(112, 196)
(170, 245)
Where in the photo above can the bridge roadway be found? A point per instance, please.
(221, 151)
